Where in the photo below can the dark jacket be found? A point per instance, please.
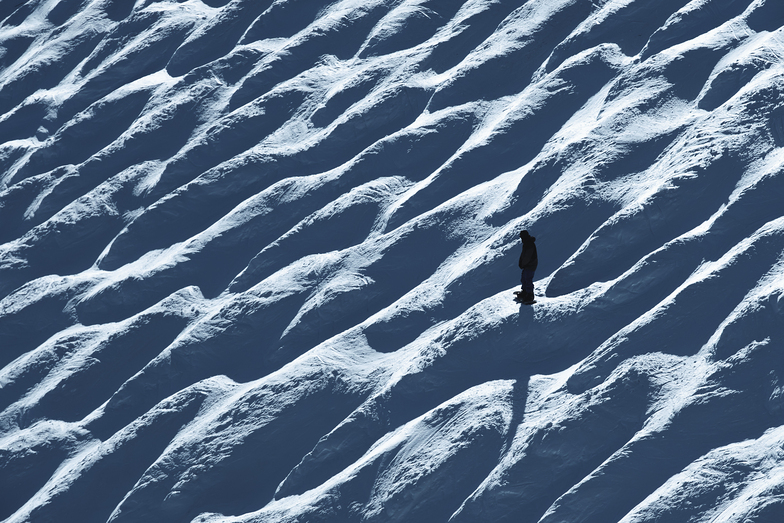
(528, 258)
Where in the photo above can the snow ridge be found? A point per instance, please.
(257, 261)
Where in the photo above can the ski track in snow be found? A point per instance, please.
(258, 257)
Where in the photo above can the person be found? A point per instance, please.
(528, 262)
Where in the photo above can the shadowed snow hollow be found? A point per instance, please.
(257, 261)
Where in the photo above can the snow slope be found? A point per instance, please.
(258, 260)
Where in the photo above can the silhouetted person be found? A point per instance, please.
(528, 262)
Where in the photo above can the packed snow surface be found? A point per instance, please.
(258, 257)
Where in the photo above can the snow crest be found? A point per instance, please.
(258, 257)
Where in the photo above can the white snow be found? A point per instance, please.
(257, 261)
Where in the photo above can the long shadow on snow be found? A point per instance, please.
(439, 493)
(498, 271)
(569, 445)
(473, 356)
(581, 331)
(407, 400)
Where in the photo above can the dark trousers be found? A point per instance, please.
(527, 279)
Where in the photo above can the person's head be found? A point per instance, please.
(524, 235)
